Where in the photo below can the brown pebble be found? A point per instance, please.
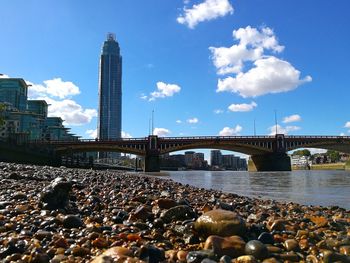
(181, 255)
(291, 244)
(345, 250)
(246, 259)
(232, 246)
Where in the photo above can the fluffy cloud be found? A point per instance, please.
(126, 135)
(270, 75)
(92, 133)
(227, 131)
(292, 118)
(255, 68)
(283, 130)
(193, 120)
(163, 90)
(161, 131)
(347, 124)
(70, 111)
(53, 88)
(242, 107)
(208, 10)
(251, 46)
(178, 121)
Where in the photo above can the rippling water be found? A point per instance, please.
(305, 187)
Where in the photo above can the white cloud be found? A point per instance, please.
(161, 132)
(251, 46)
(126, 135)
(227, 131)
(143, 97)
(53, 88)
(92, 133)
(193, 120)
(292, 118)
(283, 130)
(342, 134)
(254, 67)
(163, 90)
(270, 75)
(207, 10)
(4, 76)
(218, 111)
(347, 124)
(178, 121)
(70, 111)
(242, 107)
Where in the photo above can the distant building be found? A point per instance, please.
(189, 155)
(301, 161)
(14, 91)
(27, 119)
(110, 93)
(215, 158)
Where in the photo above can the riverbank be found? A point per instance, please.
(324, 166)
(123, 216)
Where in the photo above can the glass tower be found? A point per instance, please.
(110, 92)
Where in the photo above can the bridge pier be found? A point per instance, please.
(152, 163)
(269, 162)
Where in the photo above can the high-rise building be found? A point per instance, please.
(215, 158)
(110, 92)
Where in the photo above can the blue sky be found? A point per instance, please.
(205, 67)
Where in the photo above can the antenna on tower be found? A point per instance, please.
(110, 36)
(152, 121)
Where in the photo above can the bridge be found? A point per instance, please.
(268, 153)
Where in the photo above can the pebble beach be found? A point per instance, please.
(50, 214)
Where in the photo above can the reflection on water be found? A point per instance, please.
(305, 187)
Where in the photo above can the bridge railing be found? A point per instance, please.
(216, 137)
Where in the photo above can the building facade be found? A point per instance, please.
(110, 90)
(110, 93)
(25, 119)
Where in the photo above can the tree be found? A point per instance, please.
(334, 156)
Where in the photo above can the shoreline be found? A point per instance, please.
(107, 210)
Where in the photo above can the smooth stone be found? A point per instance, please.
(330, 256)
(290, 256)
(42, 234)
(271, 260)
(266, 238)
(198, 256)
(152, 254)
(291, 245)
(277, 225)
(165, 203)
(232, 246)
(208, 260)
(220, 222)
(225, 259)
(181, 255)
(178, 213)
(72, 221)
(345, 250)
(246, 259)
(256, 249)
(142, 212)
(112, 253)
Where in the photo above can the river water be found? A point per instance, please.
(324, 188)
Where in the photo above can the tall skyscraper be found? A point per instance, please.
(110, 91)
